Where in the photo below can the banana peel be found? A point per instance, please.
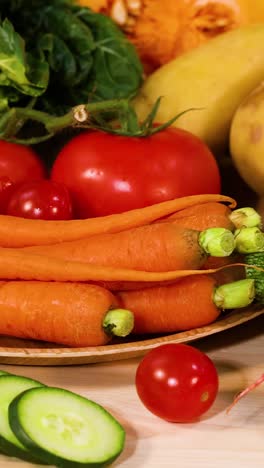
(214, 79)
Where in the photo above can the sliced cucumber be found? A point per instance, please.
(65, 429)
(10, 387)
(2, 372)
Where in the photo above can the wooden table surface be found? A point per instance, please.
(218, 440)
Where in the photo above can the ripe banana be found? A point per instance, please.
(247, 140)
(215, 77)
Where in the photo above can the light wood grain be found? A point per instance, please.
(25, 352)
(217, 441)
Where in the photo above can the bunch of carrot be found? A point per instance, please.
(79, 282)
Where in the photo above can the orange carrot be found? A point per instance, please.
(189, 303)
(155, 247)
(20, 232)
(18, 264)
(203, 216)
(183, 305)
(69, 314)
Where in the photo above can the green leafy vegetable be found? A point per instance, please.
(62, 55)
(16, 64)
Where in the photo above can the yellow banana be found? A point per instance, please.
(215, 77)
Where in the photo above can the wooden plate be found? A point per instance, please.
(32, 353)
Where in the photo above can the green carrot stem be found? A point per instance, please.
(218, 242)
(118, 322)
(249, 240)
(245, 217)
(235, 295)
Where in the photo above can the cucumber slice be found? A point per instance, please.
(65, 429)
(10, 387)
(2, 372)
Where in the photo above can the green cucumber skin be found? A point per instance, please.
(256, 259)
(42, 454)
(8, 448)
(2, 442)
(2, 372)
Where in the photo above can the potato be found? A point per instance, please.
(247, 140)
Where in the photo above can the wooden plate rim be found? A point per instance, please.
(231, 320)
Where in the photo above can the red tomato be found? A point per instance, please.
(110, 174)
(6, 190)
(41, 200)
(18, 164)
(177, 382)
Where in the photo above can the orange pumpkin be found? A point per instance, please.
(161, 30)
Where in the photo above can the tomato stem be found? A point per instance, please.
(121, 120)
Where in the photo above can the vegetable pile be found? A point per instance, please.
(127, 233)
(137, 272)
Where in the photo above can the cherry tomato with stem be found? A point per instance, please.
(177, 382)
(43, 199)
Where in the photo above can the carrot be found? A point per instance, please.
(203, 216)
(156, 247)
(69, 314)
(18, 264)
(189, 303)
(20, 232)
(249, 246)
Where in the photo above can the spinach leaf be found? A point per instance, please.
(63, 55)
(118, 71)
(15, 64)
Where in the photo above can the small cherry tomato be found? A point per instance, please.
(41, 200)
(18, 164)
(177, 382)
